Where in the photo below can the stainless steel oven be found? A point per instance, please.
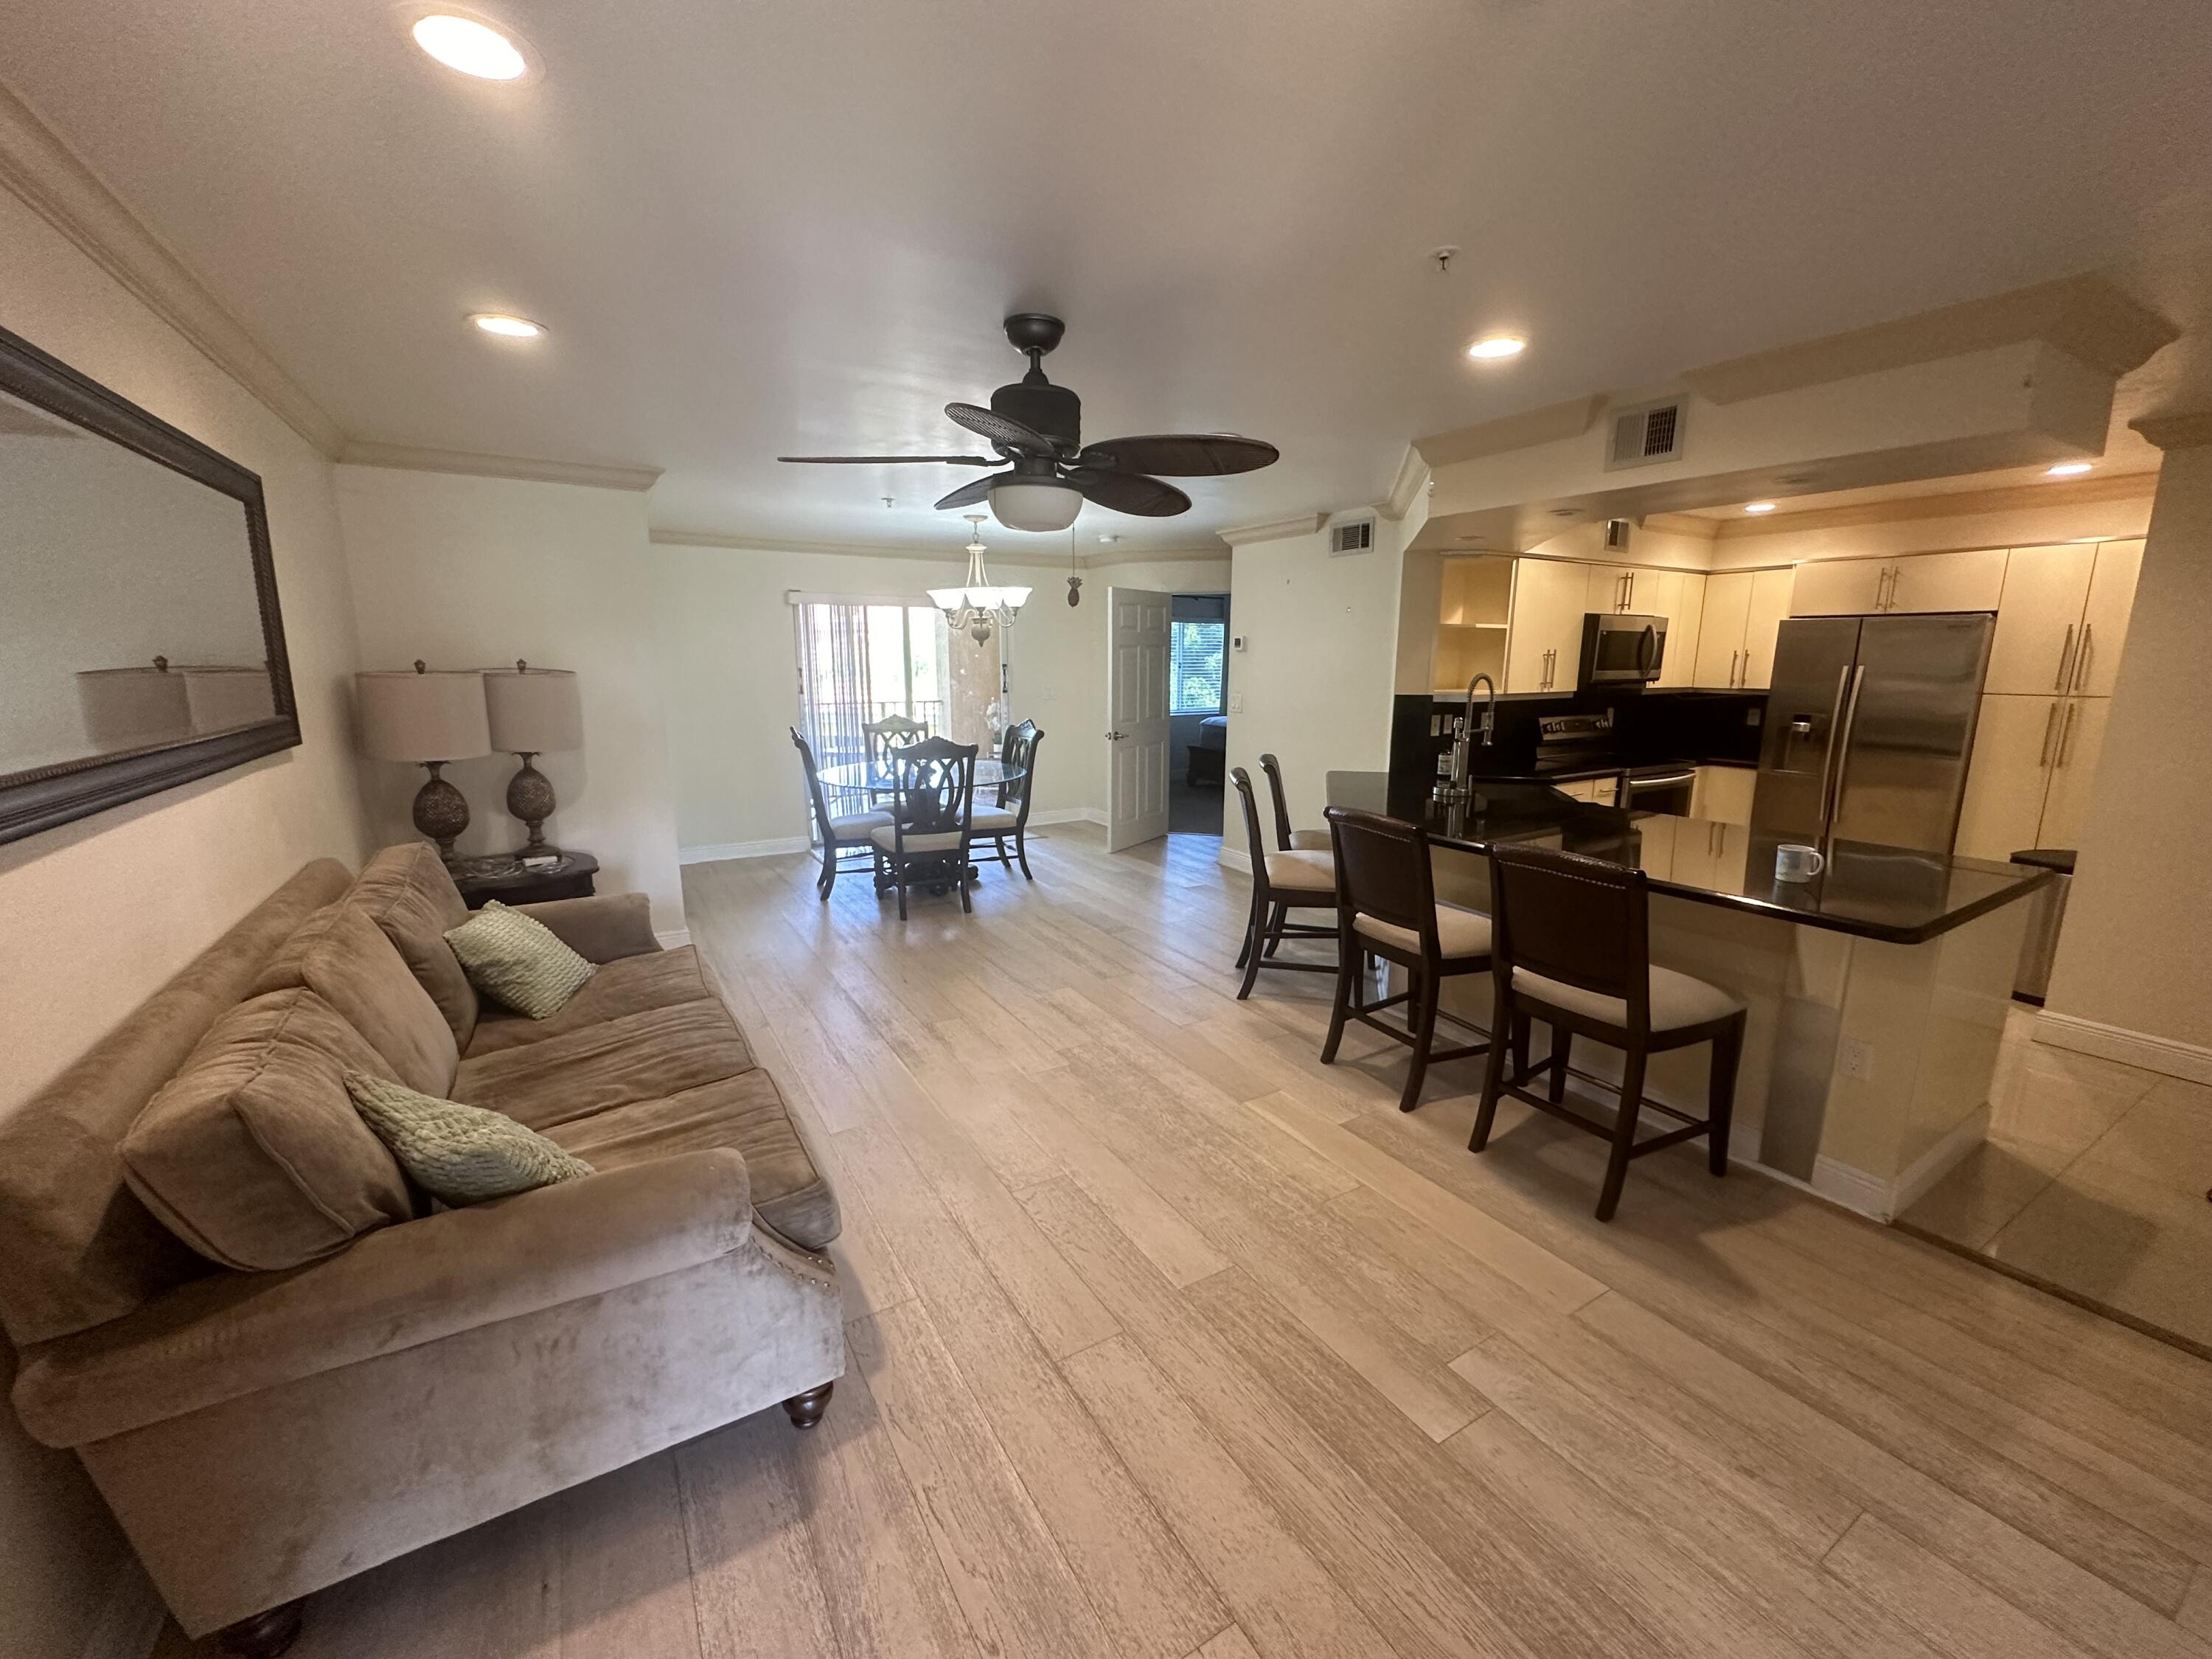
(1618, 647)
(1660, 789)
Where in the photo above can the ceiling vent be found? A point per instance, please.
(1352, 536)
(1645, 435)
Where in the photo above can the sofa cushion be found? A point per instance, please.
(407, 893)
(629, 985)
(460, 1154)
(660, 1051)
(343, 957)
(518, 962)
(747, 1113)
(254, 1154)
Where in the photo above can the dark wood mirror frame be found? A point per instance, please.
(49, 795)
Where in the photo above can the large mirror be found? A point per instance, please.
(140, 643)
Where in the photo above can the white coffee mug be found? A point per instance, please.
(1795, 863)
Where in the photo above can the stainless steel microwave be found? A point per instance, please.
(1618, 647)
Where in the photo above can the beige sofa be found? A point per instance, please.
(263, 1433)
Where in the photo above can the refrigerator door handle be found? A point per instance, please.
(1842, 748)
(1835, 745)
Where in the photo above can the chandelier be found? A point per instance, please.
(976, 605)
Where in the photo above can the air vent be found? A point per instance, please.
(1354, 536)
(1645, 435)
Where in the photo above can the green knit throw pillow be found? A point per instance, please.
(462, 1154)
(518, 961)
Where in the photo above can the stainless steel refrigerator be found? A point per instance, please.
(1869, 725)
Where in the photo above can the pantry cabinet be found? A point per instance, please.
(2033, 769)
(1742, 612)
(2105, 618)
(2038, 632)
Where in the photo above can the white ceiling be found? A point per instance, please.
(768, 226)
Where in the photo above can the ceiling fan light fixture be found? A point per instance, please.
(1022, 504)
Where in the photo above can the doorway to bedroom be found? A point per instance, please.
(1199, 706)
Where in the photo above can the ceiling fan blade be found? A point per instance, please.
(1008, 435)
(1128, 492)
(1182, 454)
(885, 460)
(969, 493)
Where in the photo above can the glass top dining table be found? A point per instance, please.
(878, 780)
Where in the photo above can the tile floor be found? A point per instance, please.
(2093, 1181)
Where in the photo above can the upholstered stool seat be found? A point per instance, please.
(1303, 872)
(1677, 999)
(1459, 932)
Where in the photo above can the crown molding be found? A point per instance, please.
(399, 457)
(1412, 478)
(732, 542)
(2068, 492)
(1274, 530)
(1153, 555)
(2192, 431)
(2085, 317)
(48, 177)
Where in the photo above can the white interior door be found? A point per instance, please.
(1137, 704)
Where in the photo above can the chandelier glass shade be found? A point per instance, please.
(978, 605)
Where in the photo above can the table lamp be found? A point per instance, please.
(533, 712)
(428, 720)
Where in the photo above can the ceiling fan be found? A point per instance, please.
(1036, 429)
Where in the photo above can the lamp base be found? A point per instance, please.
(441, 812)
(530, 799)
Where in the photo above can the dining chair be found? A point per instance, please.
(1283, 879)
(891, 732)
(1387, 907)
(1571, 947)
(932, 804)
(1011, 816)
(840, 833)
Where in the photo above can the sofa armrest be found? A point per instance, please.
(602, 928)
(237, 1334)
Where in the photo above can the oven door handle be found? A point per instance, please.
(1651, 781)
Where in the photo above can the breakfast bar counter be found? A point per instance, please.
(1877, 990)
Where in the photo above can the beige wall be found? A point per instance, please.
(2137, 952)
(470, 573)
(724, 636)
(97, 914)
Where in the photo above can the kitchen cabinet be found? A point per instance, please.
(2038, 630)
(2032, 776)
(1742, 612)
(2075, 751)
(2105, 619)
(1722, 793)
(1598, 792)
(1683, 607)
(1543, 646)
(1655, 853)
(1710, 854)
(1921, 581)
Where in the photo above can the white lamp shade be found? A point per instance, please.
(410, 716)
(1038, 506)
(533, 711)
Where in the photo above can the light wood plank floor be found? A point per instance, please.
(1167, 1340)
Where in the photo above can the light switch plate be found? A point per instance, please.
(1855, 1059)
(1235, 703)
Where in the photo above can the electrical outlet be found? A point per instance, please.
(1855, 1059)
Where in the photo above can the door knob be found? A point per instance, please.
(1113, 737)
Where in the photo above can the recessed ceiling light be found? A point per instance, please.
(471, 48)
(1758, 506)
(507, 327)
(2067, 470)
(1492, 348)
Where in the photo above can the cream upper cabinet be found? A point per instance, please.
(2039, 633)
(2009, 774)
(1840, 587)
(1946, 581)
(1543, 649)
(2075, 750)
(1771, 594)
(1682, 595)
(1605, 587)
(1719, 633)
(2105, 619)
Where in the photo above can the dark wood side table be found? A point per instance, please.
(501, 877)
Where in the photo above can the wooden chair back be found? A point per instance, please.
(1253, 839)
(1020, 748)
(1382, 871)
(813, 783)
(891, 732)
(1582, 921)
(1273, 769)
(932, 790)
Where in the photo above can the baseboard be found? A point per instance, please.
(675, 938)
(1240, 862)
(715, 852)
(1939, 1160)
(2154, 1053)
(130, 1618)
(1852, 1187)
(1071, 815)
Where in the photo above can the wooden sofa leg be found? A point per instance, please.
(805, 1409)
(265, 1635)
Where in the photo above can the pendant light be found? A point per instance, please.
(976, 605)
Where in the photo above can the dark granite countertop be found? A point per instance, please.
(1884, 893)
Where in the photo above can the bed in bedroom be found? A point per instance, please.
(1208, 754)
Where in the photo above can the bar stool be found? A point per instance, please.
(1387, 907)
(1288, 839)
(1283, 880)
(1571, 947)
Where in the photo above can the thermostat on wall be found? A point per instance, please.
(1236, 642)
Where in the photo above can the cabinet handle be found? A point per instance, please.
(2081, 660)
(1736, 669)
(1886, 593)
(2066, 734)
(2050, 720)
(2065, 660)
(1628, 592)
